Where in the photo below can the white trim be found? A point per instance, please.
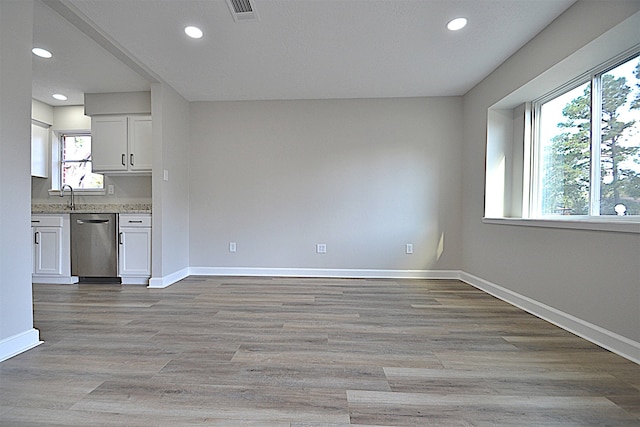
(164, 281)
(16, 344)
(613, 224)
(134, 280)
(325, 272)
(81, 192)
(609, 340)
(55, 280)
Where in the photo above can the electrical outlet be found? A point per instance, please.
(321, 248)
(408, 248)
(232, 246)
(110, 189)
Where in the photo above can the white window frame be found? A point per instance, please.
(593, 76)
(56, 166)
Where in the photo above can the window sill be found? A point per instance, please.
(617, 225)
(80, 192)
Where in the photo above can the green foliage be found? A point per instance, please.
(567, 166)
(566, 174)
(614, 95)
(636, 102)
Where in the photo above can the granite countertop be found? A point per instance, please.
(56, 208)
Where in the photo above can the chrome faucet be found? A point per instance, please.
(72, 204)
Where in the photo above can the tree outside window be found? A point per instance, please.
(590, 157)
(75, 163)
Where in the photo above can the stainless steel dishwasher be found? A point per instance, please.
(94, 249)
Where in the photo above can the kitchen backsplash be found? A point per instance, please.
(127, 190)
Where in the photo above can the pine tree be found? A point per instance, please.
(566, 174)
(614, 95)
(566, 179)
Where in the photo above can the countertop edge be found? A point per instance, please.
(119, 208)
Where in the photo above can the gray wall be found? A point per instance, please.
(170, 251)
(593, 275)
(364, 177)
(16, 315)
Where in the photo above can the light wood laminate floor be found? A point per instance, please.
(306, 352)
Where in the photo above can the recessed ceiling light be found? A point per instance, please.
(457, 24)
(59, 97)
(193, 32)
(42, 53)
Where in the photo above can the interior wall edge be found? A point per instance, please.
(19, 343)
(168, 280)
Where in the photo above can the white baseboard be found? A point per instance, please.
(609, 340)
(55, 280)
(325, 272)
(19, 343)
(134, 280)
(164, 281)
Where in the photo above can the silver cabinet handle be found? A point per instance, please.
(120, 241)
(123, 163)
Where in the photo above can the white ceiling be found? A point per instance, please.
(78, 65)
(297, 49)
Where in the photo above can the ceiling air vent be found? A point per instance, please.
(242, 10)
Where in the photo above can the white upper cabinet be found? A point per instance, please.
(109, 143)
(140, 150)
(121, 144)
(39, 149)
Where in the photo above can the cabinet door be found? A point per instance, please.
(34, 251)
(39, 150)
(47, 255)
(140, 150)
(109, 143)
(135, 252)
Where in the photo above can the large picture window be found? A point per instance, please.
(75, 163)
(587, 146)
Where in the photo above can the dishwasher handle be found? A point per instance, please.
(92, 221)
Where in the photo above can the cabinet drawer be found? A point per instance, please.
(46, 220)
(130, 220)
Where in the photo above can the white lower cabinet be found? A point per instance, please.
(51, 241)
(47, 243)
(134, 248)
